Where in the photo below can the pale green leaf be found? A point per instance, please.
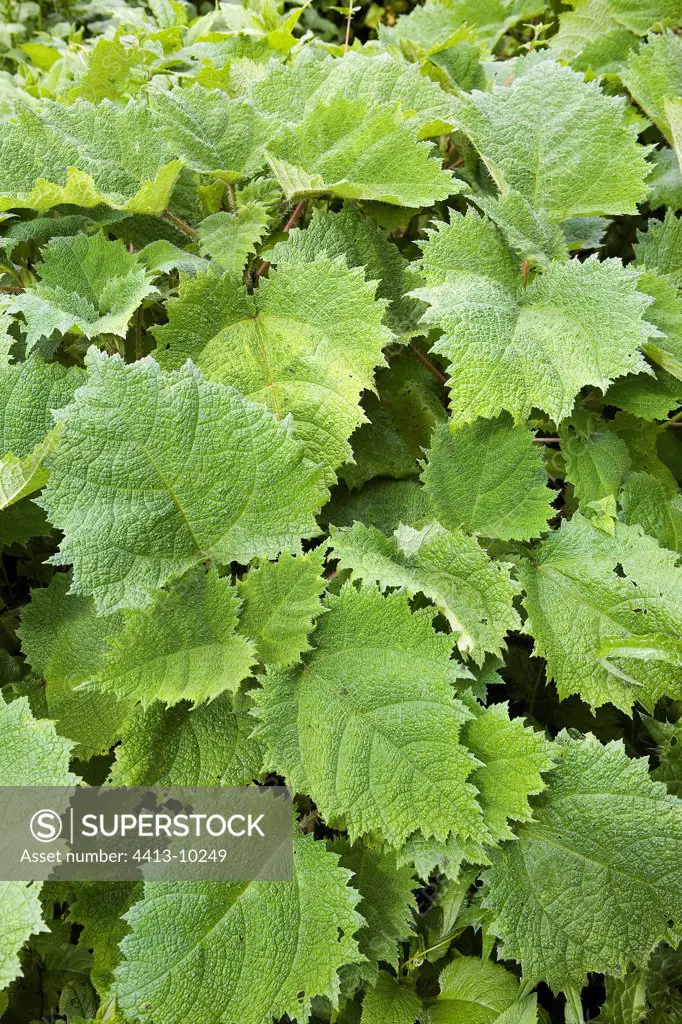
(215, 476)
(560, 142)
(357, 150)
(85, 155)
(473, 592)
(517, 348)
(230, 238)
(431, 27)
(86, 284)
(305, 343)
(212, 133)
(597, 459)
(362, 244)
(513, 758)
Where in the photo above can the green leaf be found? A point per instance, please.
(368, 726)
(625, 1001)
(234, 486)
(646, 500)
(402, 414)
(99, 907)
(597, 459)
(212, 133)
(474, 991)
(286, 346)
(431, 27)
(386, 903)
(230, 238)
(472, 591)
(513, 757)
(85, 155)
(592, 883)
(65, 643)
(87, 285)
(281, 601)
(576, 598)
(383, 504)
(569, 152)
(31, 754)
(668, 737)
(517, 348)
(348, 147)
(505, 497)
(660, 247)
(207, 746)
(362, 244)
(215, 946)
(654, 75)
(390, 1003)
(183, 646)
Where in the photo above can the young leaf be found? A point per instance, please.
(86, 284)
(472, 591)
(234, 486)
(390, 1003)
(183, 646)
(474, 991)
(513, 758)
(353, 149)
(281, 601)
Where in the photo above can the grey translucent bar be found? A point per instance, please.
(211, 833)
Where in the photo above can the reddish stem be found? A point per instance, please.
(428, 364)
(286, 229)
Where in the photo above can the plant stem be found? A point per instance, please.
(286, 229)
(180, 224)
(428, 364)
(546, 440)
(348, 21)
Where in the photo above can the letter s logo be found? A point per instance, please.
(46, 826)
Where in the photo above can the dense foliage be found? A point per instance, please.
(340, 372)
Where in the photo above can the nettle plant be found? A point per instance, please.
(340, 367)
